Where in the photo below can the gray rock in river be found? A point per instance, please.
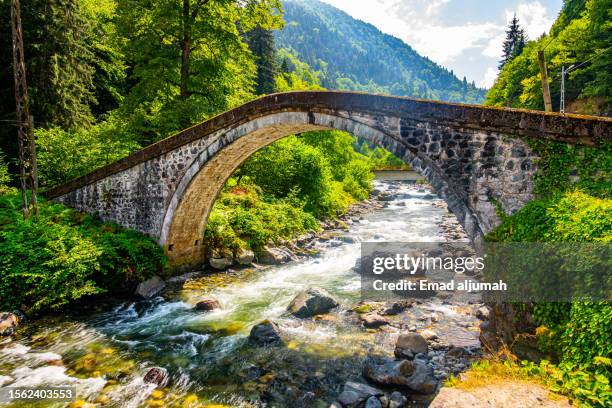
(275, 256)
(410, 344)
(151, 287)
(414, 375)
(311, 302)
(385, 197)
(221, 264)
(266, 333)
(353, 394)
(373, 402)
(397, 400)
(244, 256)
(373, 320)
(429, 335)
(8, 323)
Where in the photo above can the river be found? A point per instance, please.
(105, 354)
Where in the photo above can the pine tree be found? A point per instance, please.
(514, 43)
(261, 43)
(57, 62)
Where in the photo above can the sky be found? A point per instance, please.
(463, 35)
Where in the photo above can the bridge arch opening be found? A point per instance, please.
(185, 218)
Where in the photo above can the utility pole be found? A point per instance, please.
(564, 72)
(28, 171)
(545, 86)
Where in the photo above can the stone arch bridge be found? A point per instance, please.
(475, 157)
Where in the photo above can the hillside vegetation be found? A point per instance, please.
(349, 54)
(580, 37)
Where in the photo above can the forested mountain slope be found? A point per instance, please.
(581, 40)
(353, 55)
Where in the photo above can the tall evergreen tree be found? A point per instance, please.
(188, 59)
(261, 43)
(514, 43)
(58, 65)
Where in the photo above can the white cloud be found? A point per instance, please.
(494, 46)
(489, 77)
(419, 24)
(533, 17)
(445, 44)
(416, 22)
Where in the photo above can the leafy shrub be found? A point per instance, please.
(319, 168)
(241, 219)
(577, 333)
(5, 176)
(61, 256)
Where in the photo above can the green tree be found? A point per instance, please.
(514, 43)
(58, 57)
(582, 37)
(188, 59)
(261, 43)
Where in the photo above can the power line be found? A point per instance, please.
(577, 9)
(573, 67)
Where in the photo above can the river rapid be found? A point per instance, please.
(206, 354)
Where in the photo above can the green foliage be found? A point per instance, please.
(261, 44)
(189, 59)
(5, 177)
(241, 219)
(380, 158)
(573, 216)
(352, 55)
(581, 36)
(581, 384)
(296, 75)
(320, 168)
(61, 256)
(281, 190)
(577, 333)
(86, 149)
(562, 167)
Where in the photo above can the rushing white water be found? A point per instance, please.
(205, 353)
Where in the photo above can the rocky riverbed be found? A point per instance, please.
(295, 333)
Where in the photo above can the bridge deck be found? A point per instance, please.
(569, 128)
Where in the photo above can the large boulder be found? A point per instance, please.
(413, 375)
(409, 345)
(311, 302)
(373, 320)
(220, 264)
(206, 305)
(244, 256)
(266, 333)
(274, 256)
(221, 260)
(151, 287)
(8, 323)
(354, 394)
